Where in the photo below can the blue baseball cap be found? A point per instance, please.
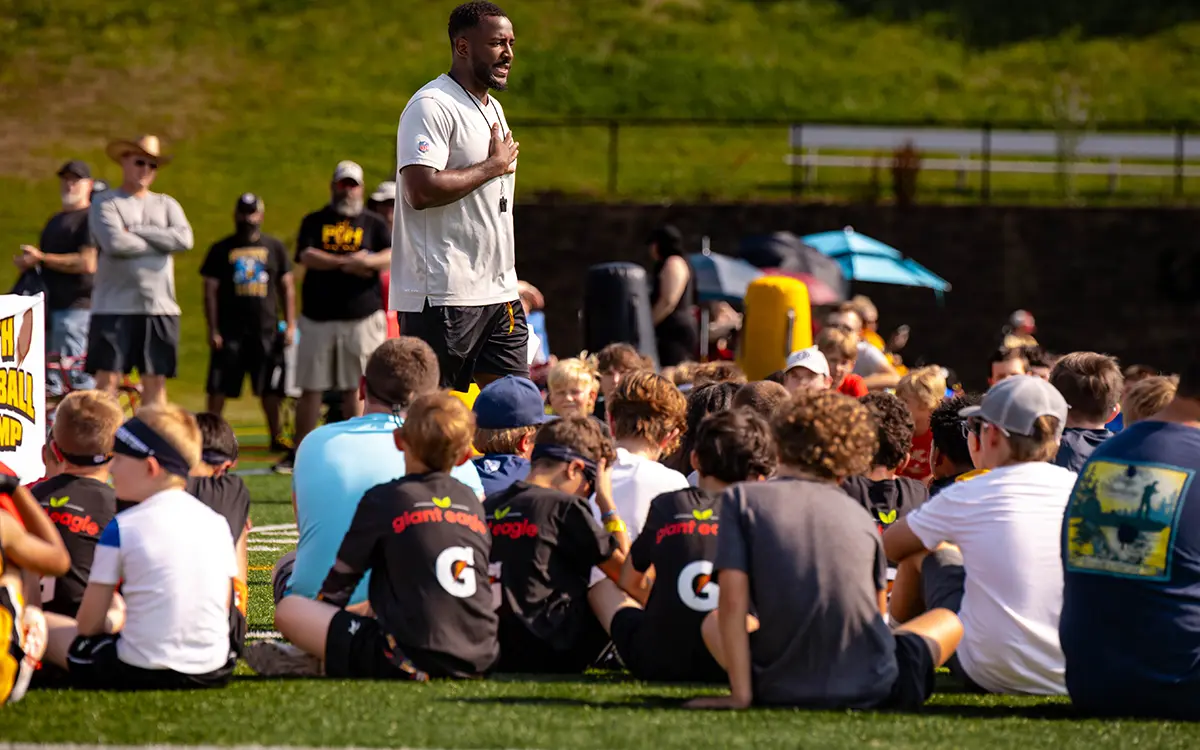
(510, 402)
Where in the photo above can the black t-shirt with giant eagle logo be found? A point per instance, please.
(80, 508)
(425, 541)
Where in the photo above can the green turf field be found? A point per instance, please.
(603, 710)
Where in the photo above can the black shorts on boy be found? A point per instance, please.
(544, 546)
(93, 664)
(425, 542)
(663, 642)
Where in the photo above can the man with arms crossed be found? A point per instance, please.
(454, 279)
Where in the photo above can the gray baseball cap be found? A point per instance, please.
(1015, 403)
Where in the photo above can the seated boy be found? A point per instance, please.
(174, 560)
(572, 388)
(806, 370)
(425, 540)
(679, 543)
(78, 499)
(647, 416)
(30, 546)
(921, 390)
(507, 414)
(614, 362)
(886, 495)
(825, 644)
(1092, 384)
(951, 447)
(840, 348)
(545, 542)
(1003, 575)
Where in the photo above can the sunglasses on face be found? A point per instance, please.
(144, 163)
(975, 425)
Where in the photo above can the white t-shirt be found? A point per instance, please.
(1008, 524)
(463, 253)
(176, 560)
(636, 481)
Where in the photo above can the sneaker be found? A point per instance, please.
(278, 659)
(285, 464)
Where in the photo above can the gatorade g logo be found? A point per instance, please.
(454, 568)
(696, 588)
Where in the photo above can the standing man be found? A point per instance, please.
(246, 276)
(66, 256)
(343, 247)
(454, 282)
(135, 318)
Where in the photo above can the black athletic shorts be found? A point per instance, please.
(256, 355)
(94, 665)
(470, 341)
(914, 683)
(522, 652)
(645, 660)
(357, 647)
(943, 582)
(124, 343)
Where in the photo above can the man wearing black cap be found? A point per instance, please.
(246, 277)
(66, 260)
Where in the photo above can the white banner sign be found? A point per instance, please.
(23, 385)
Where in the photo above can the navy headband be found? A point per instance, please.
(215, 457)
(565, 455)
(136, 440)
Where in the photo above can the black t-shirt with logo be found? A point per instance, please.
(336, 295)
(425, 541)
(887, 500)
(227, 495)
(248, 283)
(680, 541)
(65, 233)
(544, 546)
(80, 508)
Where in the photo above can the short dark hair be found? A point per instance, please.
(702, 401)
(468, 16)
(894, 425)
(776, 377)
(217, 435)
(721, 371)
(735, 445)
(668, 239)
(583, 435)
(400, 370)
(829, 435)
(949, 428)
(1003, 354)
(1091, 383)
(762, 397)
(623, 357)
(1036, 356)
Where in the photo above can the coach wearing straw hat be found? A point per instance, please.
(135, 318)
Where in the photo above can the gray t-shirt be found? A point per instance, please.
(136, 239)
(816, 567)
(870, 360)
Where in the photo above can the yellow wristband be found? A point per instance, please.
(615, 526)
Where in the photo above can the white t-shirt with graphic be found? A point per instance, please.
(1008, 524)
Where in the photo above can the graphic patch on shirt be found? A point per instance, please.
(1123, 517)
(423, 144)
(250, 275)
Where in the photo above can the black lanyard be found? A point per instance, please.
(478, 106)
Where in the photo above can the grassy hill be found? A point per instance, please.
(266, 95)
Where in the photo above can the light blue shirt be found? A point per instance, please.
(335, 465)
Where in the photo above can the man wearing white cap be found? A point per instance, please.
(988, 547)
(807, 370)
(383, 201)
(342, 247)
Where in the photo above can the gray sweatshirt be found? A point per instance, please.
(136, 239)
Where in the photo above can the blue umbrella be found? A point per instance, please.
(720, 278)
(866, 259)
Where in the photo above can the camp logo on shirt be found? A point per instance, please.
(250, 277)
(1122, 519)
(696, 588)
(438, 510)
(341, 238)
(702, 522)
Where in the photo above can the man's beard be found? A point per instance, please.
(75, 195)
(484, 74)
(348, 205)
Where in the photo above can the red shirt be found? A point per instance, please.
(920, 457)
(853, 385)
(6, 502)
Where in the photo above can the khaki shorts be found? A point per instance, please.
(332, 354)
